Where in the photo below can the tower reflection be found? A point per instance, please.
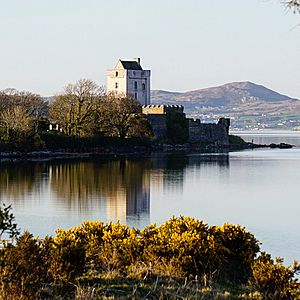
(121, 188)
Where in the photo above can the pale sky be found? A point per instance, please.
(188, 44)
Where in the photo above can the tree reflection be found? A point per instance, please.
(121, 186)
(17, 180)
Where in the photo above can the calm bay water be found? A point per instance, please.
(256, 188)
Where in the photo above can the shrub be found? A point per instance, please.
(23, 270)
(186, 244)
(180, 248)
(110, 247)
(274, 280)
(241, 249)
(7, 222)
(67, 256)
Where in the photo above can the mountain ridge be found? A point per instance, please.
(247, 103)
(229, 93)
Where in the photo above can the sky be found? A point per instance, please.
(187, 44)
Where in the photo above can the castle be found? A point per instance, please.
(128, 78)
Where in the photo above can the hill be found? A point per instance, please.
(248, 104)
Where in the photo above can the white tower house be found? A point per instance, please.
(129, 78)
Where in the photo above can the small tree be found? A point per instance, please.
(7, 222)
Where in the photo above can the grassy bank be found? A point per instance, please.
(183, 258)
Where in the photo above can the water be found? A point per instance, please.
(255, 188)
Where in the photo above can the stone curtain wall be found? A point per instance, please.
(159, 117)
(201, 132)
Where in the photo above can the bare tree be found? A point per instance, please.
(75, 107)
(19, 113)
(32, 103)
(292, 4)
(16, 120)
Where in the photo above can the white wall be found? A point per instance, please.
(126, 79)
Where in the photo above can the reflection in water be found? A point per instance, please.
(20, 179)
(122, 186)
(119, 190)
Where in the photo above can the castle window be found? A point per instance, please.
(117, 74)
(135, 96)
(116, 85)
(135, 85)
(144, 86)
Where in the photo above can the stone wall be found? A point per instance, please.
(208, 132)
(157, 115)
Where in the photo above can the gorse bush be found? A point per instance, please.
(181, 248)
(23, 267)
(274, 280)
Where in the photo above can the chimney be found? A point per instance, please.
(137, 59)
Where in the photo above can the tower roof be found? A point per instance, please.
(130, 65)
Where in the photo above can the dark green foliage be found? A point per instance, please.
(177, 128)
(236, 140)
(57, 141)
(7, 222)
(140, 128)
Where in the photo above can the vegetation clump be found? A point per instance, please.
(236, 140)
(182, 258)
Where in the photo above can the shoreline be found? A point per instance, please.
(44, 155)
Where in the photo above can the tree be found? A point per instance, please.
(118, 115)
(140, 128)
(16, 120)
(75, 107)
(33, 104)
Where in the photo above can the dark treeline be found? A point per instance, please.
(81, 114)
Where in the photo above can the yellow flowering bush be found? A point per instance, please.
(240, 247)
(23, 267)
(187, 243)
(273, 279)
(177, 249)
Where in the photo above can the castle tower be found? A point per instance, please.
(129, 78)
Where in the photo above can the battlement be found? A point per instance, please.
(162, 109)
